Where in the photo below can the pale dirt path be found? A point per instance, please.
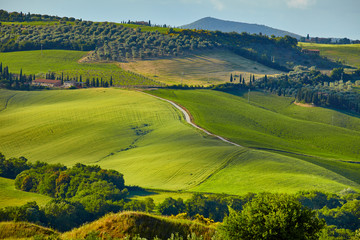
(188, 119)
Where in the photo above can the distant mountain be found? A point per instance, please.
(214, 24)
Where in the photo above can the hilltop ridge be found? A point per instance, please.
(214, 24)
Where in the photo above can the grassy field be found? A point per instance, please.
(258, 124)
(302, 130)
(347, 53)
(66, 62)
(202, 68)
(9, 196)
(147, 140)
(128, 131)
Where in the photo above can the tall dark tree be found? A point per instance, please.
(231, 77)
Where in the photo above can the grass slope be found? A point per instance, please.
(9, 196)
(338, 52)
(273, 122)
(202, 68)
(24, 230)
(147, 140)
(146, 225)
(136, 134)
(66, 62)
(261, 125)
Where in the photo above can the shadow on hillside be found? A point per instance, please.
(239, 92)
(135, 191)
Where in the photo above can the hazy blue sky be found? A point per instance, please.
(323, 18)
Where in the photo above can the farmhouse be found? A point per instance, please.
(47, 82)
(68, 84)
(311, 51)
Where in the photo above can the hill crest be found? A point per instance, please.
(214, 24)
(124, 224)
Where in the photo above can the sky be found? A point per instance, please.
(318, 18)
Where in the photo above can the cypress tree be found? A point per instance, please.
(21, 76)
(231, 77)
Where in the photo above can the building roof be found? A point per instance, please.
(47, 81)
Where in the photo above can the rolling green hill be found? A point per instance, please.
(347, 53)
(260, 125)
(275, 124)
(147, 140)
(9, 196)
(136, 134)
(67, 63)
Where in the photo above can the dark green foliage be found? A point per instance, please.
(272, 216)
(10, 168)
(28, 17)
(171, 206)
(79, 181)
(319, 200)
(15, 81)
(64, 215)
(28, 212)
(316, 88)
(347, 216)
(214, 207)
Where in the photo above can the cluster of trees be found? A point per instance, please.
(22, 81)
(114, 42)
(109, 41)
(317, 88)
(6, 16)
(81, 193)
(135, 44)
(15, 81)
(84, 193)
(272, 216)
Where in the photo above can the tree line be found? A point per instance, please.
(84, 193)
(6, 16)
(114, 42)
(15, 81)
(20, 81)
(338, 90)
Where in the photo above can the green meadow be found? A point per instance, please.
(142, 137)
(148, 141)
(346, 53)
(9, 196)
(67, 63)
(272, 122)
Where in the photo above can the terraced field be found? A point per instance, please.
(148, 141)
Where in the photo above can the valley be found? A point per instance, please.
(204, 131)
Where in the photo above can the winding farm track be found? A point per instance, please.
(7, 102)
(189, 120)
